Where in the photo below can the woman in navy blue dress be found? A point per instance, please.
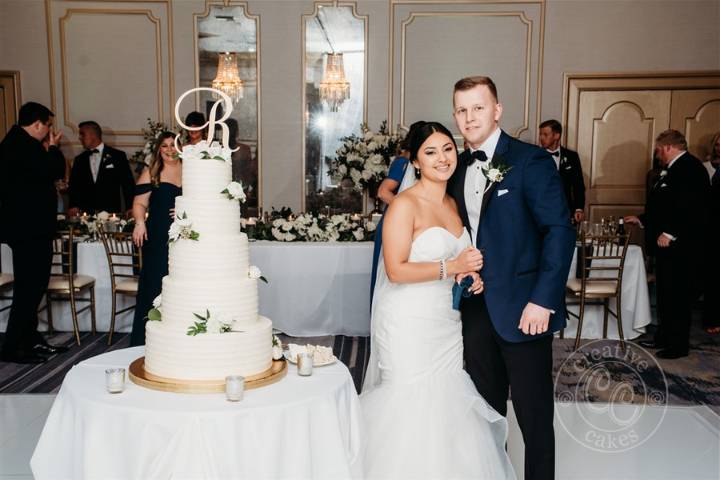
(155, 194)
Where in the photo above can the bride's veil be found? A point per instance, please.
(372, 375)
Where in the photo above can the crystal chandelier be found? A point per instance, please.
(334, 87)
(228, 78)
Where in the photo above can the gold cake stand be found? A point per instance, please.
(140, 376)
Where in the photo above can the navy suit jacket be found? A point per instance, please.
(525, 235)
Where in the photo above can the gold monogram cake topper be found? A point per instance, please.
(212, 118)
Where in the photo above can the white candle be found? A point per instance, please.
(234, 387)
(304, 364)
(115, 380)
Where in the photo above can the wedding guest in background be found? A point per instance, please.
(28, 206)
(101, 179)
(711, 311)
(399, 178)
(155, 193)
(675, 219)
(244, 168)
(568, 165)
(195, 119)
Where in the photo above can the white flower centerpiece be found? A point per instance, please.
(310, 228)
(181, 228)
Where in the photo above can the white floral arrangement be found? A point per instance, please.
(181, 228)
(364, 159)
(89, 225)
(218, 322)
(143, 157)
(277, 348)
(310, 228)
(155, 313)
(205, 151)
(235, 191)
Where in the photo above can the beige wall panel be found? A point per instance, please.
(429, 72)
(615, 141)
(116, 78)
(696, 113)
(9, 100)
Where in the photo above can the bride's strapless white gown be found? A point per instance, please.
(423, 416)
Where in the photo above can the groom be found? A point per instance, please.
(521, 223)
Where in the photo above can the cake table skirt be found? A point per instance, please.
(300, 427)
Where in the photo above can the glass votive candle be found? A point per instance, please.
(115, 380)
(304, 364)
(234, 387)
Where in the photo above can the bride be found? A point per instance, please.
(423, 415)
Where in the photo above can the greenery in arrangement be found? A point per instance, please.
(89, 225)
(364, 159)
(215, 323)
(283, 226)
(182, 228)
(142, 158)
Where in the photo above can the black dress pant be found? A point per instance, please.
(32, 259)
(495, 366)
(676, 288)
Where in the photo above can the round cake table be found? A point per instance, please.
(300, 427)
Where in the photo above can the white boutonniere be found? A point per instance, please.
(663, 173)
(495, 172)
(234, 191)
(182, 228)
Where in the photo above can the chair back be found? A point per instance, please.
(604, 255)
(123, 257)
(64, 251)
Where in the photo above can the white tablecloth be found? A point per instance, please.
(300, 427)
(635, 303)
(324, 288)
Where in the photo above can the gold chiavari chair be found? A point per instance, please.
(599, 253)
(66, 285)
(125, 263)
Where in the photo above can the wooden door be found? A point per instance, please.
(696, 113)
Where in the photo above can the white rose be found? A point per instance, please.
(174, 231)
(254, 272)
(359, 234)
(157, 302)
(287, 226)
(368, 136)
(371, 226)
(235, 189)
(103, 216)
(213, 325)
(367, 174)
(376, 159)
(372, 146)
(224, 319)
(290, 237)
(493, 174)
(355, 175)
(278, 222)
(183, 222)
(342, 169)
(277, 234)
(277, 353)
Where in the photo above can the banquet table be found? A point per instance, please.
(324, 288)
(299, 427)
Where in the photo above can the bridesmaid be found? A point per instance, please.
(155, 194)
(399, 178)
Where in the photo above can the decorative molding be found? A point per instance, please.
(528, 55)
(10, 88)
(64, 67)
(303, 21)
(256, 19)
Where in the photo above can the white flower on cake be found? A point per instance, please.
(204, 151)
(277, 350)
(218, 322)
(155, 313)
(157, 302)
(234, 191)
(255, 273)
(181, 228)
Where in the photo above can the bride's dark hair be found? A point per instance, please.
(420, 131)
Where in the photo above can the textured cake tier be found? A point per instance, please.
(217, 215)
(182, 297)
(203, 178)
(212, 258)
(171, 353)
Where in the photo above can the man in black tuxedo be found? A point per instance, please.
(100, 178)
(28, 215)
(568, 165)
(675, 221)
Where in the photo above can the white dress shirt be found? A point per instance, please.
(96, 160)
(475, 183)
(555, 157)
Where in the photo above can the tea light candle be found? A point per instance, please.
(234, 387)
(113, 218)
(355, 217)
(115, 380)
(304, 364)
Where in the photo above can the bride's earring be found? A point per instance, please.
(417, 171)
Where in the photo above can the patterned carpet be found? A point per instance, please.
(598, 372)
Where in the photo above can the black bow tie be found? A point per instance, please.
(94, 150)
(555, 154)
(478, 155)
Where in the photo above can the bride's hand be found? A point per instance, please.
(477, 286)
(469, 260)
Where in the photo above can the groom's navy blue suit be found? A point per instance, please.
(527, 242)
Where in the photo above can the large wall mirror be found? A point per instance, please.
(335, 100)
(227, 59)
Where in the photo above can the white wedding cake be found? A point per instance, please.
(209, 325)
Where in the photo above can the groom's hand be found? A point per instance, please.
(534, 319)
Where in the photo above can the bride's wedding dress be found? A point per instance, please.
(423, 415)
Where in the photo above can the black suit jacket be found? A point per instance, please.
(28, 198)
(572, 178)
(115, 183)
(678, 205)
